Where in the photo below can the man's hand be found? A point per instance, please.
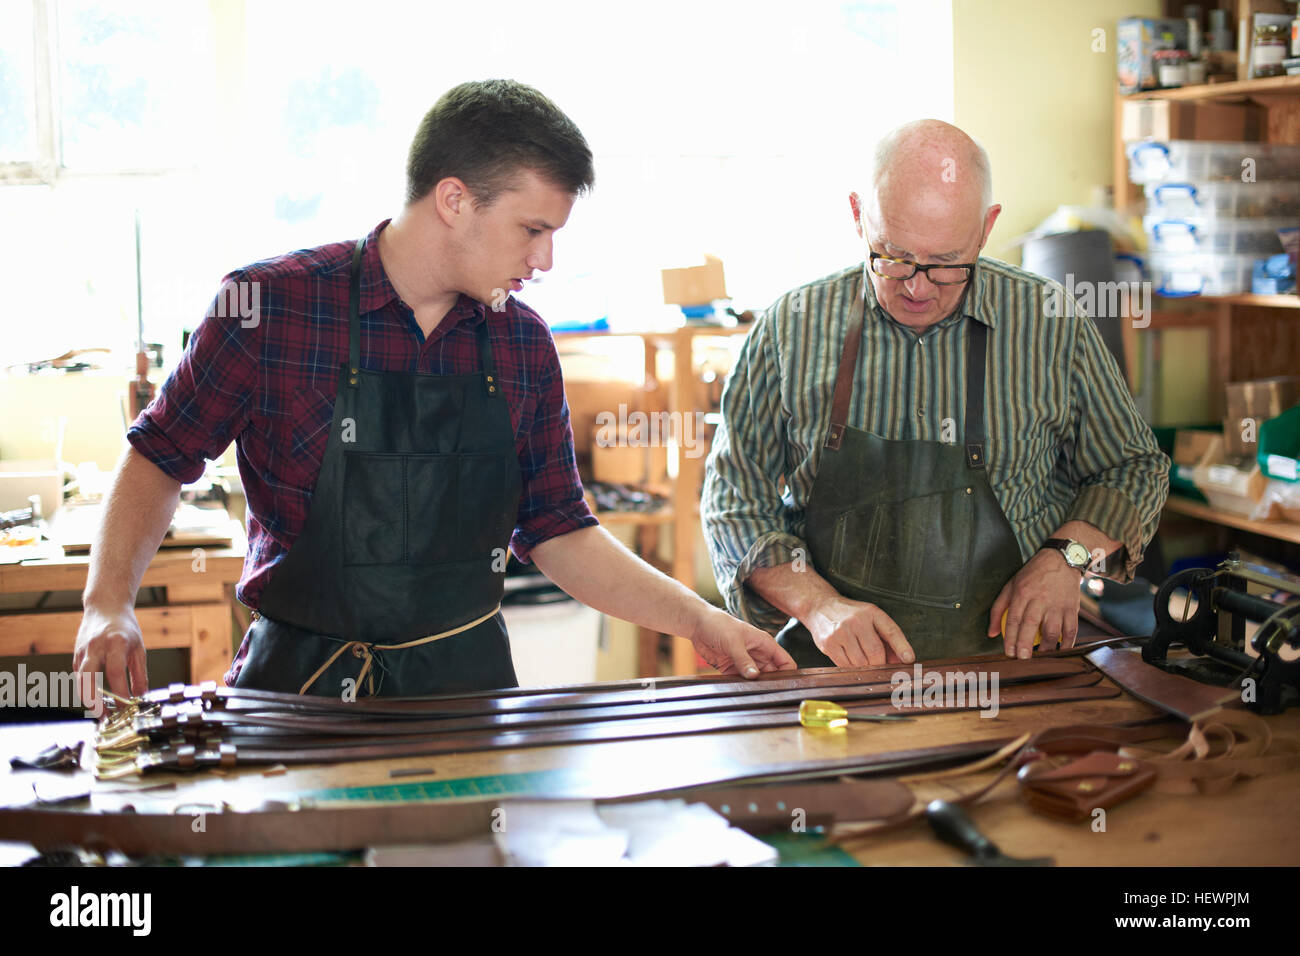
(734, 647)
(1043, 596)
(111, 644)
(857, 634)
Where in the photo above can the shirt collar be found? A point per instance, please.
(977, 302)
(377, 290)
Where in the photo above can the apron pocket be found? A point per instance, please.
(482, 530)
(433, 489)
(916, 549)
(400, 509)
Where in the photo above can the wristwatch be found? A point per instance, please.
(1076, 555)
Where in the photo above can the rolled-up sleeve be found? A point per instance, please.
(1122, 474)
(551, 501)
(204, 403)
(747, 523)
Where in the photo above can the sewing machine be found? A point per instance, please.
(1216, 608)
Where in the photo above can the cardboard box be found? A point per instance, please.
(1252, 403)
(1228, 486)
(698, 285)
(1191, 445)
(1135, 42)
(1164, 120)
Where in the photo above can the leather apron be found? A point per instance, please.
(910, 526)
(414, 506)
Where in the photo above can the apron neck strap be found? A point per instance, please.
(354, 328)
(976, 347)
(844, 376)
(354, 313)
(485, 354)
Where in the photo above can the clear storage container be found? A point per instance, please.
(1182, 274)
(1195, 161)
(1230, 200)
(1255, 237)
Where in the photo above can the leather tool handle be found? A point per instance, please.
(952, 825)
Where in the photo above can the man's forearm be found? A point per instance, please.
(591, 565)
(796, 593)
(137, 513)
(1098, 543)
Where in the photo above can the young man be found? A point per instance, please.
(399, 420)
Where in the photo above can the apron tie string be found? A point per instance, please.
(366, 649)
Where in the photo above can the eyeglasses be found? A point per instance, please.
(888, 268)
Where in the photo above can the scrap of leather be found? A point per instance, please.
(1231, 745)
(1172, 693)
(1072, 791)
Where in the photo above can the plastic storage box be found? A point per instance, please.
(1233, 200)
(1186, 161)
(1255, 237)
(1182, 274)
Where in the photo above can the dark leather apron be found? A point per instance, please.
(417, 497)
(910, 526)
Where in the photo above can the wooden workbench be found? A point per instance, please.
(196, 612)
(1240, 827)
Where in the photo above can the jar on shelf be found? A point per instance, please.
(1271, 42)
(1171, 67)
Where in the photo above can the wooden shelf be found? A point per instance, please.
(1214, 91)
(1280, 530)
(1288, 301)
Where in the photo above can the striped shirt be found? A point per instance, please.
(1065, 441)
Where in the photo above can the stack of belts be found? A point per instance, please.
(193, 727)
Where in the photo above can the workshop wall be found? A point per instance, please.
(1028, 86)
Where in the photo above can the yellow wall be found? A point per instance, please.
(1029, 87)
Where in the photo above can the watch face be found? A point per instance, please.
(1076, 554)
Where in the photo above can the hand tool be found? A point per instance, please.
(954, 827)
(827, 714)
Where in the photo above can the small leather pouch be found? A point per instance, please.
(1073, 790)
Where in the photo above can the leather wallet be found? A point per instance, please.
(1073, 790)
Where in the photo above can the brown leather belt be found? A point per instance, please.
(227, 750)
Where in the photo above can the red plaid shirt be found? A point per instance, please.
(267, 381)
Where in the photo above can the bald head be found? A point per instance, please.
(931, 204)
(936, 160)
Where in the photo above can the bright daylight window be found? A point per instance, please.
(243, 130)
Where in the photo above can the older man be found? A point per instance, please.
(948, 451)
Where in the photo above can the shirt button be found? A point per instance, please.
(920, 413)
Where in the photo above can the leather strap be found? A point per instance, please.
(846, 371)
(1010, 672)
(365, 650)
(1172, 693)
(127, 762)
(354, 313)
